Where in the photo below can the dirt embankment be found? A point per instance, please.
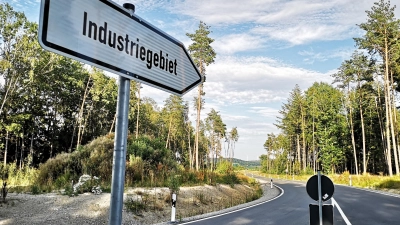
(54, 208)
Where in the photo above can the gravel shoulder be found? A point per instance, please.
(54, 208)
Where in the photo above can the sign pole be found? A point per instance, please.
(119, 160)
(319, 198)
(120, 144)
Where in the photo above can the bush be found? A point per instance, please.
(99, 158)
(224, 167)
(230, 179)
(174, 184)
(94, 158)
(55, 168)
(134, 170)
(135, 206)
(35, 189)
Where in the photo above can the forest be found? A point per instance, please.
(57, 115)
(350, 125)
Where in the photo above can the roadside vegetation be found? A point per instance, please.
(57, 118)
(149, 164)
(348, 129)
(377, 182)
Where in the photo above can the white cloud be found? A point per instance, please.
(311, 56)
(296, 21)
(301, 33)
(267, 112)
(239, 80)
(234, 43)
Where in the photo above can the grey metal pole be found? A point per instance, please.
(119, 160)
(319, 198)
(120, 144)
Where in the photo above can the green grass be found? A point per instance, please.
(363, 181)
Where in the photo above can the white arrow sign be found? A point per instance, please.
(103, 34)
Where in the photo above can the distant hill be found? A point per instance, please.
(247, 164)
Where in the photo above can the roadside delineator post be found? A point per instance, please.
(173, 203)
(272, 186)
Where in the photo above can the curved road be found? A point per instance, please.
(359, 206)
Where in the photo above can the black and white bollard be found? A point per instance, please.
(272, 186)
(173, 201)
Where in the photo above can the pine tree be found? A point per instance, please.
(203, 55)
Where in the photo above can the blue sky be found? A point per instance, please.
(264, 48)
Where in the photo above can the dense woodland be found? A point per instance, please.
(50, 104)
(352, 124)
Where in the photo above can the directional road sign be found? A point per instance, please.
(103, 34)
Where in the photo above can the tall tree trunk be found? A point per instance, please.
(5, 149)
(393, 129)
(80, 116)
(396, 131)
(113, 122)
(313, 138)
(31, 152)
(22, 151)
(387, 105)
(362, 131)
(9, 90)
(138, 112)
(352, 137)
(298, 149)
(169, 131)
(190, 149)
(304, 140)
(381, 122)
(16, 150)
(86, 121)
(198, 123)
(396, 161)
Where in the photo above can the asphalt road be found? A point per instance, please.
(359, 206)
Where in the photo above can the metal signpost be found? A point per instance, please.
(320, 188)
(105, 35)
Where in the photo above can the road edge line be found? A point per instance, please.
(237, 210)
(334, 202)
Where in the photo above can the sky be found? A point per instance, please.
(264, 48)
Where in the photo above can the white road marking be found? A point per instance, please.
(282, 191)
(334, 203)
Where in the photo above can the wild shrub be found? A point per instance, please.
(200, 196)
(224, 167)
(152, 151)
(134, 170)
(135, 206)
(174, 183)
(191, 177)
(99, 158)
(35, 189)
(94, 158)
(54, 168)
